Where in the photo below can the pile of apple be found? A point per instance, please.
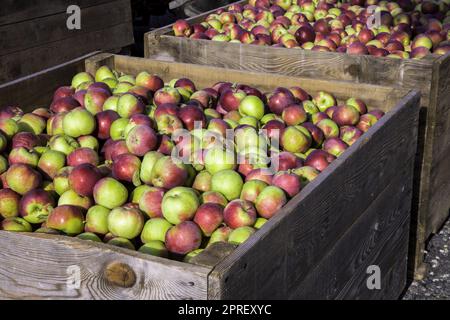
(166, 167)
(398, 29)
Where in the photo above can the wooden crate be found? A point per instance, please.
(354, 215)
(34, 34)
(431, 76)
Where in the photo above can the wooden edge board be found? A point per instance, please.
(34, 9)
(206, 76)
(41, 85)
(35, 266)
(53, 28)
(364, 241)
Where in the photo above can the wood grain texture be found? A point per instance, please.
(13, 11)
(205, 76)
(309, 226)
(36, 267)
(34, 45)
(439, 203)
(427, 75)
(33, 60)
(37, 89)
(50, 29)
(373, 236)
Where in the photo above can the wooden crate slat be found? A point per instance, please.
(50, 29)
(13, 11)
(364, 244)
(36, 267)
(36, 44)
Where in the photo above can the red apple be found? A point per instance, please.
(209, 217)
(183, 238)
(239, 213)
(150, 202)
(289, 182)
(280, 99)
(141, 139)
(36, 205)
(82, 155)
(68, 219)
(64, 104)
(319, 159)
(83, 178)
(270, 201)
(126, 167)
(21, 178)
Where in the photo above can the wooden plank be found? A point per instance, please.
(37, 89)
(51, 29)
(393, 278)
(303, 63)
(36, 59)
(439, 203)
(309, 226)
(371, 239)
(205, 76)
(37, 267)
(13, 11)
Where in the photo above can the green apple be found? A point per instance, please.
(155, 248)
(217, 159)
(122, 87)
(155, 229)
(147, 165)
(104, 72)
(79, 122)
(71, 198)
(111, 103)
(180, 204)
(240, 235)
(125, 222)
(117, 130)
(80, 78)
(89, 236)
(97, 220)
(64, 144)
(252, 106)
(227, 182)
(110, 193)
(137, 193)
(33, 123)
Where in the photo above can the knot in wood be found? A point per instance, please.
(120, 274)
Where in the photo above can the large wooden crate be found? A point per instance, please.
(34, 33)
(354, 215)
(431, 76)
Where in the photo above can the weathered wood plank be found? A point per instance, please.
(205, 76)
(309, 225)
(51, 29)
(13, 11)
(37, 89)
(439, 202)
(368, 242)
(40, 267)
(393, 271)
(35, 59)
(303, 63)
